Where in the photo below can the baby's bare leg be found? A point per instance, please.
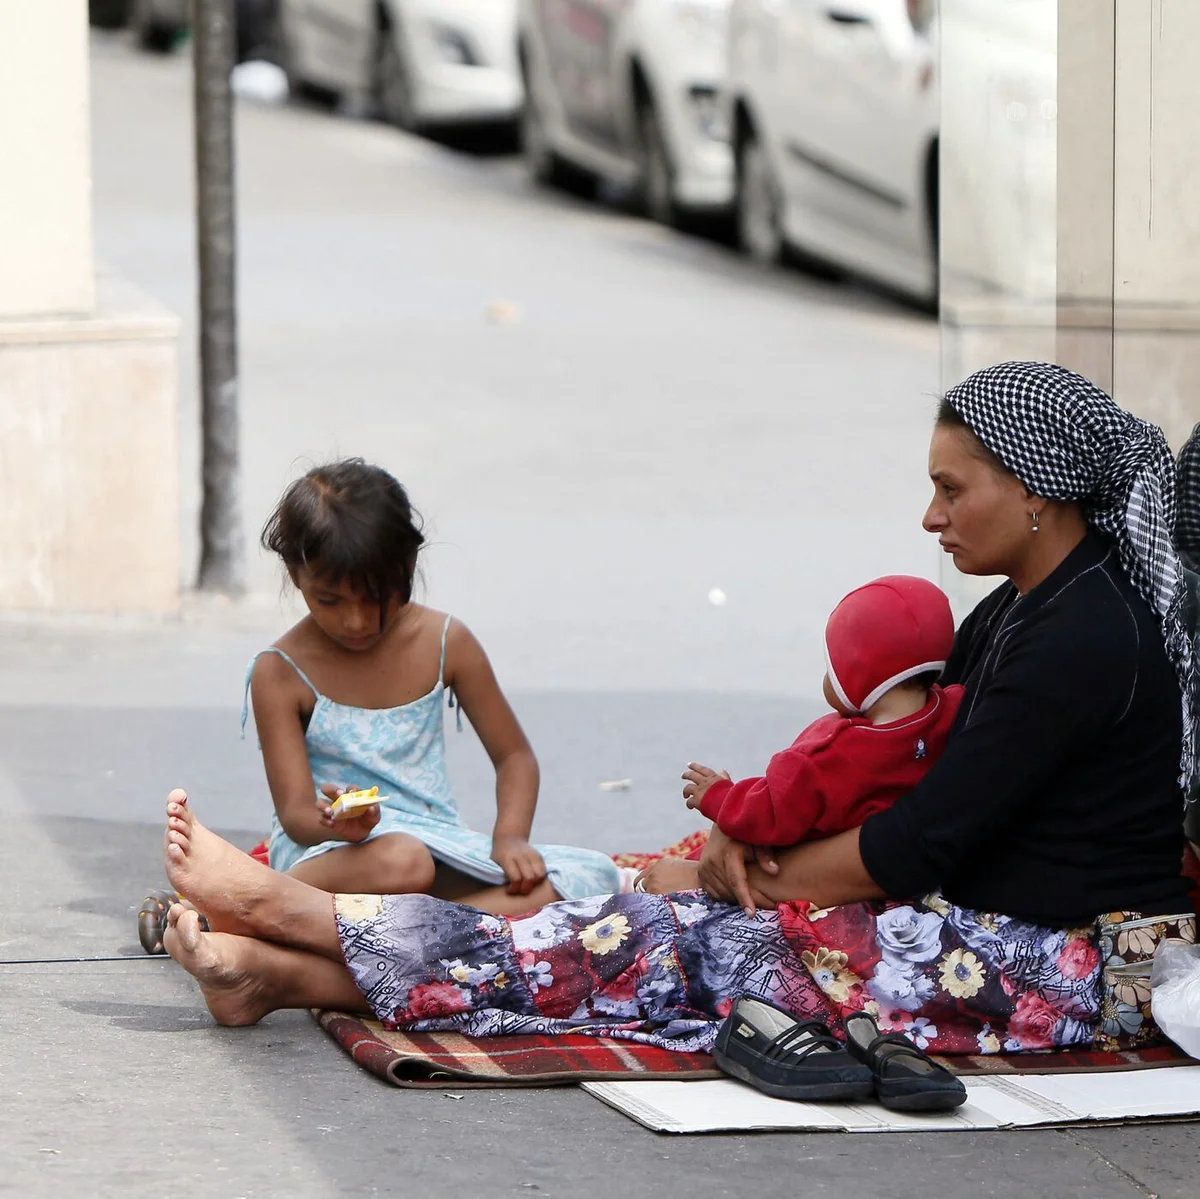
(393, 864)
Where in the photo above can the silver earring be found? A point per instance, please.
(1036, 519)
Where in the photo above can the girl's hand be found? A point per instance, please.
(698, 779)
(354, 828)
(521, 863)
(723, 873)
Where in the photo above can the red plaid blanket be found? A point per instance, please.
(434, 1060)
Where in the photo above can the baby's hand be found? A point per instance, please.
(698, 779)
(353, 827)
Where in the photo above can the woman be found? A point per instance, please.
(1187, 517)
(1187, 542)
(1047, 838)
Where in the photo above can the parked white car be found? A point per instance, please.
(833, 108)
(629, 90)
(424, 63)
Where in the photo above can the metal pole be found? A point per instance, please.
(222, 565)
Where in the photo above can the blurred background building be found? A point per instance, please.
(1027, 167)
(1068, 165)
(89, 519)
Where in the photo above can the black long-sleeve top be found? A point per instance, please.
(1057, 798)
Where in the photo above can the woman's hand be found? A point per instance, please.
(667, 876)
(523, 866)
(354, 828)
(723, 872)
(698, 779)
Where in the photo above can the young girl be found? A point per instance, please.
(352, 697)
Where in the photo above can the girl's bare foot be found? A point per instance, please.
(233, 995)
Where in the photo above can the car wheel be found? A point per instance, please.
(273, 43)
(932, 199)
(759, 203)
(108, 14)
(535, 146)
(545, 166)
(152, 32)
(391, 87)
(656, 174)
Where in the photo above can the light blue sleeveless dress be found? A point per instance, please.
(402, 752)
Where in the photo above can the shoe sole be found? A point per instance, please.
(813, 1091)
(924, 1101)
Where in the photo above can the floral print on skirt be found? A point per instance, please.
(665, 969)
(1127, 941)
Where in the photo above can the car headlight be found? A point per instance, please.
(452, 45)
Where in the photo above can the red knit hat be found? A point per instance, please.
(884, 633)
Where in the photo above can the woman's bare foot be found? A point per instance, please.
(233, 995)
(232, 890)
(219, 880)
(239, 895)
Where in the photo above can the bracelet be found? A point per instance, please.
(639, 885)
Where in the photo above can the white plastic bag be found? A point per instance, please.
(1175, 994)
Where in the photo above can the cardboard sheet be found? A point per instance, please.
(1005, 1101)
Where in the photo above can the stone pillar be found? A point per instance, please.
(1085, 208)
(45, 214)
(998, 197)
(89, 509)
(1156, 269)
(1069, 170)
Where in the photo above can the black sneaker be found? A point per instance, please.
(766, 1047)
(906, 1079)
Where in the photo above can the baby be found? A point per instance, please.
(885, 646)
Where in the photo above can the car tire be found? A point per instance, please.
(656, 174)
(758, 203)
(274, 45)
(546, 166)
(391, 81)
(108, 14)
(932, 209)
(152, 33)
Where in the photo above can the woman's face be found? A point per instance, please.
(980, 512)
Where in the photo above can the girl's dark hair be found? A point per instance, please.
(349, 521)
(949, 417)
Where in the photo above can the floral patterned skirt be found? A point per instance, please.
(665, 969)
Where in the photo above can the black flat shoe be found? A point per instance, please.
(906, 1080)
(788, 1058)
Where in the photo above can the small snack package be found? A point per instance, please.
(350, 803)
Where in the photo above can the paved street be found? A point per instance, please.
(602, 421)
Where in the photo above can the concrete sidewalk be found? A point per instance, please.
(113, 1081)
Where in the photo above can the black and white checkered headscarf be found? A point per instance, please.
(1187, 515)
(1065, 439)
